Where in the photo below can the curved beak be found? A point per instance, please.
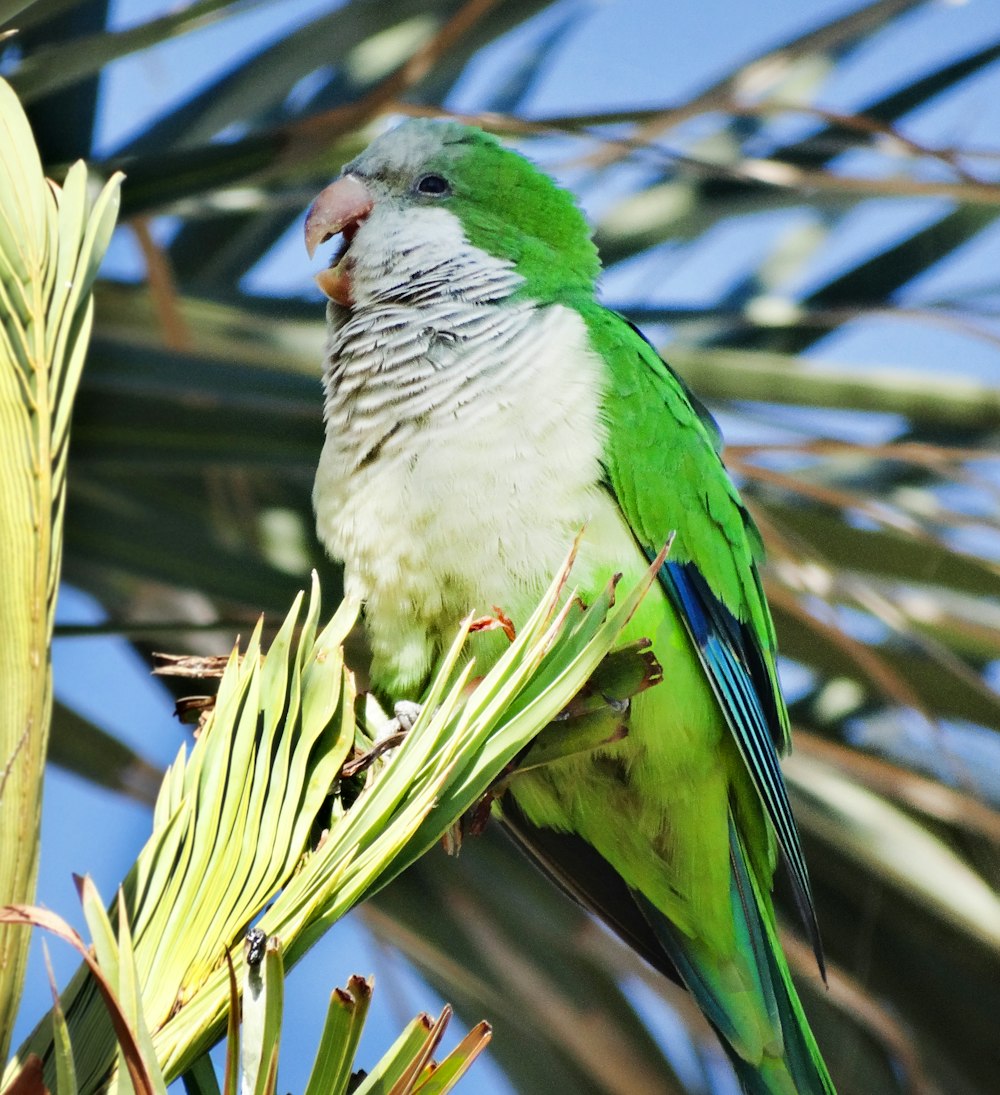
(343, 203)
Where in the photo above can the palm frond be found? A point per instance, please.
(51, 241)
(234, 828)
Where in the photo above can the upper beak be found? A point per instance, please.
(342, 203)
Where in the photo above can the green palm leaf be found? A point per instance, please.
(234, 825)
(51, 241)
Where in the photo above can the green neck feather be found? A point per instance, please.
(512, 210)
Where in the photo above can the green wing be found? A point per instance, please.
(663, 467)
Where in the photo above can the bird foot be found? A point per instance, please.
(499, 620)
(595, 718)
(472, 823)
(388, 737)
(406, 714)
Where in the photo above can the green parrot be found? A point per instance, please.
(482, 408)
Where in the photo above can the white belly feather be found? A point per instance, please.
(463, 488)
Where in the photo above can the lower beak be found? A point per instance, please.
(339, 208)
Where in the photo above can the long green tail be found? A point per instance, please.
(788, 1061)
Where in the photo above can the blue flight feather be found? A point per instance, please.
(727, 654)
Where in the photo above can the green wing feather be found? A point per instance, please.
(664, 470)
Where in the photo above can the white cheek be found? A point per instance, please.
(394, 245)
(421, 254)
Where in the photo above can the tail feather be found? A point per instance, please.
(753, 1005)
(761, 1024)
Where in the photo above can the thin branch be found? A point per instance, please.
(761, 171)
(824, 39)
(871, 664)
(324, 127)
(791, 314)
(162, 288)
(928, 796)
(774, 377)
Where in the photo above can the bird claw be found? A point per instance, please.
(407, 712)
(365, 760)
(499, 619)
(389, 736)
(473, 822)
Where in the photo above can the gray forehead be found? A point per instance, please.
(406, 148)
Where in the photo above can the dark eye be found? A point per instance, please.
(433, 185)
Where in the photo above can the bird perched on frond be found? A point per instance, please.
(481, 408)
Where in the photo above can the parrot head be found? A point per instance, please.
(425, 194)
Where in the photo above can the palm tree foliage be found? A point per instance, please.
(263, 813)
(52, 240)
(253, 1031)
(807, 245)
